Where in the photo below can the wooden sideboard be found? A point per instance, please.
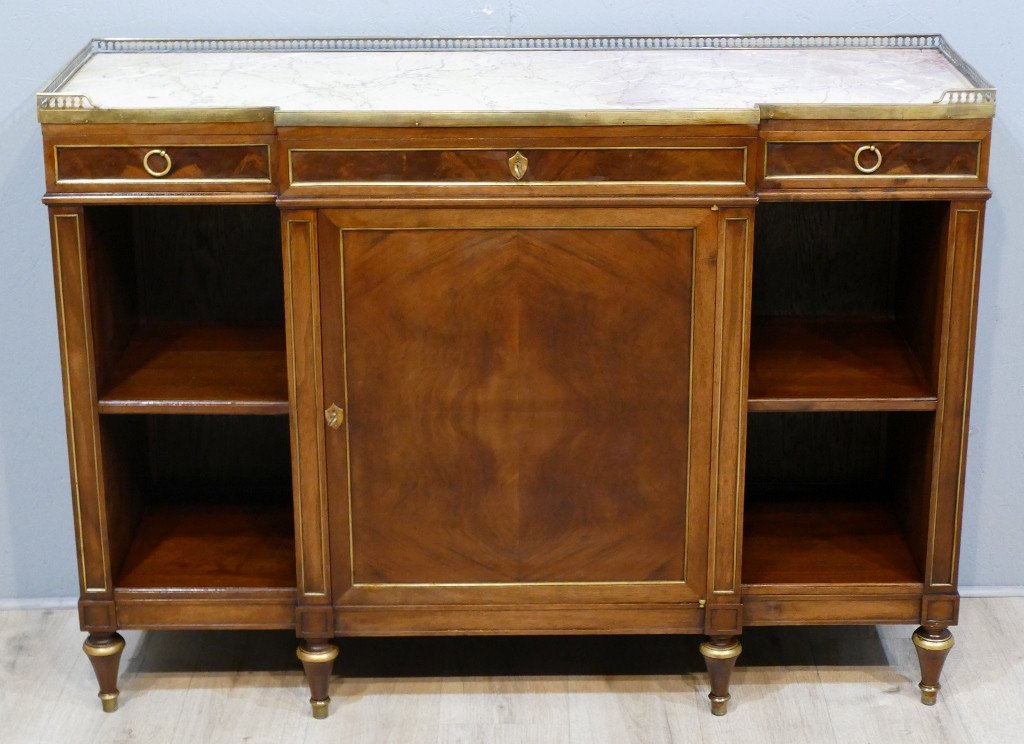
(517, 336)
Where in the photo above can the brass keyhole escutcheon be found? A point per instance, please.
(334, 416)
(517, 165)
(867, 168)
(157, 172)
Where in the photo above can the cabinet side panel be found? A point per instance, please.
(964, 247)
(302, 322)
(78, 368)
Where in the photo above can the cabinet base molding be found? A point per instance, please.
(516, 620)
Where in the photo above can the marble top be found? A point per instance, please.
(670, 75)
(516, 80)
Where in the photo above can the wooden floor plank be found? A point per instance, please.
(814, 685)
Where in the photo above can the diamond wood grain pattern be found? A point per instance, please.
(518, 404)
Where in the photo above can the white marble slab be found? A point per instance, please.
(516, 80)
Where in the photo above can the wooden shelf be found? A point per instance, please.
(834, 364)
(194, 546)
(812, 543)
(199, 369)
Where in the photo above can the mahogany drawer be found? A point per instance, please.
(162, 167)
(698, 165)
(872, 161)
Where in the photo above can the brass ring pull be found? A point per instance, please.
(861, 151)
(160, 154)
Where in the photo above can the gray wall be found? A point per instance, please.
(37, 37)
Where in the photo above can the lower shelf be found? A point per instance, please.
(802, 545)
(200, 547)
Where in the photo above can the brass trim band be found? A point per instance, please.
(320, 708)
(317, 657)
(933, 644)
(710, 651)
(113, 648)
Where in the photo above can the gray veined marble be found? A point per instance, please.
(516, 80)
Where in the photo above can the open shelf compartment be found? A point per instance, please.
(188, 309)
(846, 302)
(835, 500)
(199, 503)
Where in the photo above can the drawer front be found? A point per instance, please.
(869, 161)
(721, 165)
(162, 166)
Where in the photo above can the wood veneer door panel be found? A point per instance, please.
(520, 404)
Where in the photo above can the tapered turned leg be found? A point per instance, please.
(317, 657)
(104, 651)
(933, 644)
(720, 654)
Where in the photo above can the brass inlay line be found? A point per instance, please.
(689, 403)
(297, 454)
(453, 184)
(317, 362)
(716, 398)
(502, 584)
(348, 438)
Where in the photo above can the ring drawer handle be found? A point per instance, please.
(152, 171)
(867, 169)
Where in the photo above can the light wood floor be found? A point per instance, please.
(792, 685)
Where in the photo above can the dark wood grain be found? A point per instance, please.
(205, 546)
(199, 369)
(835, 258)
(225, 162)
(216, 265)
(209, 162)
(695, 164)
(834, 364)
(791, 453)
(917, 157)
(928, 158)
(825, 543)
(508, 437)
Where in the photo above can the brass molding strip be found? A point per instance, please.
(600, 117)
(984, 110)
(93, 115)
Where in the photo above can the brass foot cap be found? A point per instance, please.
(109, 701)
(320, 708)
(929, 693)
(719, 704)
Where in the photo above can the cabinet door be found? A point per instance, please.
(525, 415)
